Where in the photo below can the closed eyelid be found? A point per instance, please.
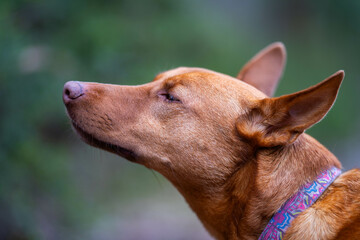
(168, 91)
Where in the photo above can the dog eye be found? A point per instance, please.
(169, 97)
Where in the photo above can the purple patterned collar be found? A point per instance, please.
(298, 203)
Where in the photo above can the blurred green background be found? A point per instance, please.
(53, 186)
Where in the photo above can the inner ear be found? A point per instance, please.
(264, 70)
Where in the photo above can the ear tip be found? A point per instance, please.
(278, 45)
(336, 79)
(339, 75)
(280, 48)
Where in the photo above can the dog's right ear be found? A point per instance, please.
(279, 121)
(264, 70)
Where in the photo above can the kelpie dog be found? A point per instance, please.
(239, 156)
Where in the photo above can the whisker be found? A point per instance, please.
(157, 178)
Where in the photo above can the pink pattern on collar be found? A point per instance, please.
(298, 203)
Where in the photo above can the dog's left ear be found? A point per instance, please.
(264, 70)
(279, 121)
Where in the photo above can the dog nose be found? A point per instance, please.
(72, 91)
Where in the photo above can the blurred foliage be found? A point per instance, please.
(46, 191)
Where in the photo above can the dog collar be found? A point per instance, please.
(298, 203)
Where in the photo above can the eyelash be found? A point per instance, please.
(169, 97)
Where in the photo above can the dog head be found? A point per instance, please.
(196, 126)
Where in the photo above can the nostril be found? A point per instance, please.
(73, 90)
(67, 92)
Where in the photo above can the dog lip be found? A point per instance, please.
(90, 139)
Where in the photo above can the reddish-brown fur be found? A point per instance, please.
(235, 154)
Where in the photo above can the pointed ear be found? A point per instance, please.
(264, 70)
(279, 121)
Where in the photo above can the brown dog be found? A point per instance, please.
(235, 154)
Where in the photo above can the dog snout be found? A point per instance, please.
(72, 91)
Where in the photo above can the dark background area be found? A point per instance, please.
(53, 186)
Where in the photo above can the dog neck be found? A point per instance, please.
(242, 207)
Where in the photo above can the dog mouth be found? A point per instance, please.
(93, 141)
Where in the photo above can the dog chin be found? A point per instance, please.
(95, 142)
